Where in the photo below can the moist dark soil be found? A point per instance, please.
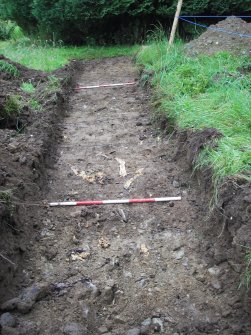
(214, 40)
(168, 268)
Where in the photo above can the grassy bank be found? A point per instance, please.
(206, 92)
(49, 58)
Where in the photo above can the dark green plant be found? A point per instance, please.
(12, 107)
(9, 68)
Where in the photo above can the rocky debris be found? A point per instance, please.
(27, 298)
(212, 41)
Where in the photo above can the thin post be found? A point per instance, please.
(175, 22)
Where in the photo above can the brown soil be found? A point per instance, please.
(139, 269)
(213, 41)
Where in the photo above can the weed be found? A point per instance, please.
(34, 104)
(28, 88)
(9, 68)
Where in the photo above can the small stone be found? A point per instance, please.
(133, 331)
(120, 319)
(146, 322)
(7, 320)
(127, 274)
(145, 326)
(179, 254)
(158, 324)
(214, 271)
(108, 295)
(216, 284)
(176, 184)
(74, 329)
(103, 330)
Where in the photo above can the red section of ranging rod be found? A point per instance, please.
(110, 202)
(80, 87)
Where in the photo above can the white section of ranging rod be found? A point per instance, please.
(81, 87)
(110, 202)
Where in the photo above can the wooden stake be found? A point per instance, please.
(175, 21)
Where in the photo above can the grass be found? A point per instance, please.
(48, 58)
(28, 88)
(206, 92)
(246, 277)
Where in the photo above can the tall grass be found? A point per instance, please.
(49, 58)
(206, 92)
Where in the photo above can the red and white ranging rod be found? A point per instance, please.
(81, 87)
(111, 202)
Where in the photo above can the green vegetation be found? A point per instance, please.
(9, 68)
(10, 30)
(48, 58)
(205, 92)
(116, 21)
(28, 88)
(246, 278)
(12, 107)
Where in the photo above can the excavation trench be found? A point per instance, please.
(118, 269)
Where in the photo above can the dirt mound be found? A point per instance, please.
(222, 37)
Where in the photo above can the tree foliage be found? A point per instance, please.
(81, 19)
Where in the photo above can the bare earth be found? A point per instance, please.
(125, 269)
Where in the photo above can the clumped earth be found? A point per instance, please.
(166, 268)
(212, 41)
